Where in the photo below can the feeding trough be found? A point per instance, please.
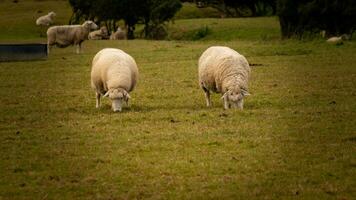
(22, 52)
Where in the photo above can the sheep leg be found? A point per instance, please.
(41, 30)
(240, 104)
(226, 103)
(207, 97)
(49, 47)
(98, 99)
(78, 48)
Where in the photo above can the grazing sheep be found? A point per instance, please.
(66, 35)
(223, 70)
(114, 74)
(338, 40)
(118, 35)
(46, 20)
(100, 34)
(335, 40)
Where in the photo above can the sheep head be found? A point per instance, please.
(117, 96)
(235, 96)
(52, 14)
(90, 25)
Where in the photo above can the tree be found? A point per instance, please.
(301, 17)
(155, 14)
(81, 9)
(233, 8)
(152, 13)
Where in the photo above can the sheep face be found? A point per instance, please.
(90, 25)
(52, 14)
(234, 97)
(118, 97)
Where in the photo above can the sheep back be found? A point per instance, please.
(221, 68)
(46, 20)
(118, 35)
(100, 34)
(67, 35)
(335, 40)
(113, 68)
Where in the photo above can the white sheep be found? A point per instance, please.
(114, 74)
(100, 34)
(338, 40)
(46, 20)
(223, 70)
(66, 35)
(118, 35)
(335, 40)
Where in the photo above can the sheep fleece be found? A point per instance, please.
(221, 68)
(113, 68)
(67, 35)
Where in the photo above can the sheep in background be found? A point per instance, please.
(114, 74)
(223, 70)
(335, 40)
(118, 35)
(46, 20)
(66, 35)
(100, 34)
(338, 40)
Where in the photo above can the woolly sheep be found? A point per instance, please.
(66, 35)
(338, 40)
(114, 74)
(46, 20)
(118, 35)
(335, 40)
(223, 70)
(100, 34)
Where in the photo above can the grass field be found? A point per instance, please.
(294, 140)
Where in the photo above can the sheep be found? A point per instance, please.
(114, 74)
(66, 35)
(223, 70)
(46, 20)
(100, 34)
(335, 40)
(118, 35)
(338, 40)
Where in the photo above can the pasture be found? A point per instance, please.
(295, 139)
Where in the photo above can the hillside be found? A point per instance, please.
(21, 17)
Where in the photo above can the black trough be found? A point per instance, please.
(21, 52)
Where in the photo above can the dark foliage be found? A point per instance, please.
(233, 8)
(301, 17)
(152, 13)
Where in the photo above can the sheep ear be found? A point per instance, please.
(106, 94)
(127, 95)
(245, 93)
(224, 95)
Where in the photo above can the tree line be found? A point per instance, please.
(239, 8)
(307, 17)
(297, 17)
(151, 13)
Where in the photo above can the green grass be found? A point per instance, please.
(294, 140)
(227, 29)
(19, 19)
